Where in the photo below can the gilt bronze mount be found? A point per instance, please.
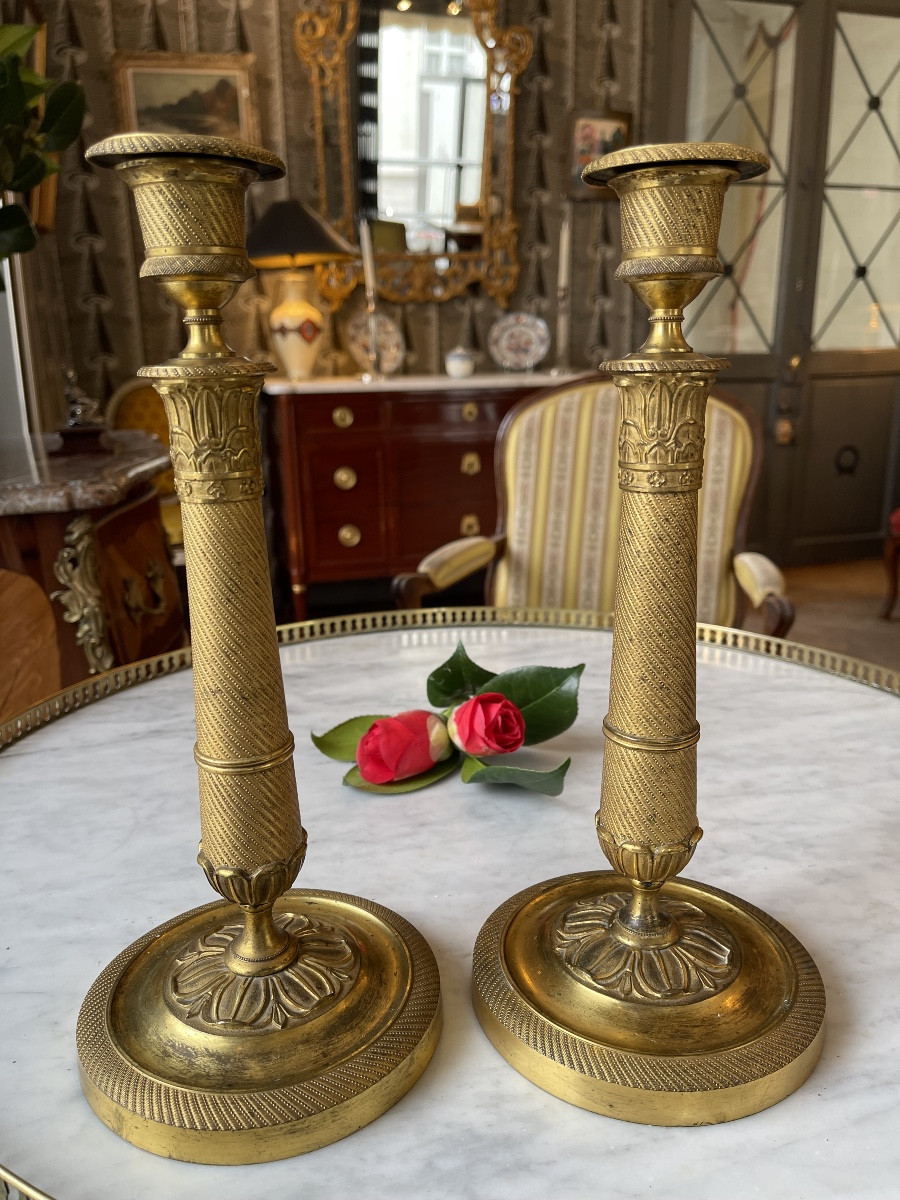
(273, 1021)
(636, 994)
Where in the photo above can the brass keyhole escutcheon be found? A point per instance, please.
(469, 526)
(345, 478)
(470, 463)
(342, 416)
(470, 411)
(349, 536)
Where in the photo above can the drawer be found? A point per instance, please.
(339, 413)
(479, 412)
(343, 548)
(430, 472)
(422, 529)
(344, 479)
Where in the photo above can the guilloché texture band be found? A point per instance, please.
(634, 994)
(274, 1021)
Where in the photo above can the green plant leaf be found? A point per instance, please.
(456, 679)
(15, 39)
(17, 233)
(548, 783)
(30, 170)
(546, 696)
(340, 742)
(34, 84)
(63, 115)
(13, 103)
(413, 784)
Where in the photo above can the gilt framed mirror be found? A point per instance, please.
(414, 115)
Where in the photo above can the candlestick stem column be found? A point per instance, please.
(635, 993)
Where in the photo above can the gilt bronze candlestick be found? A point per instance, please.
(274, 1021)
(635, 994)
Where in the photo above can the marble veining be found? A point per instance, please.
(65, 482)
(798, 799)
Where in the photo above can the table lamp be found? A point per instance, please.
(292, 236)
(633, 993)
(272, 1021)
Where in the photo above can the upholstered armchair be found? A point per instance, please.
(558, 501)
(138, 405)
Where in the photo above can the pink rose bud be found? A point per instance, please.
(487, 724)
(402, 746)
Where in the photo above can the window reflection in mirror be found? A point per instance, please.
(431, 111)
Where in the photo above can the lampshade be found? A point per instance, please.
(291, 234)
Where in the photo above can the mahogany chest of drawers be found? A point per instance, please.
(369, 477)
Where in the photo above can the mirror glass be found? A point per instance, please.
(431, 110)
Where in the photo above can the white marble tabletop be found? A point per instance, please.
(799, 777)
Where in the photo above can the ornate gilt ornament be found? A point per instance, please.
(685, 1005)
(77, 570)
(702, 960)
(265, 962)
(204, 993)
(323, 30)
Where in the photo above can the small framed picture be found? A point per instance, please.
(208, 94)
(592, 135)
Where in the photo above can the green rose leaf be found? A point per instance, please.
(17, 233)
(15, 39)
(413, 784)
(456, 679)
(546, 696)
(63, 115)
(340, 743)
(493, 770)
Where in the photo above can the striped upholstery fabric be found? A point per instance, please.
(559, 473)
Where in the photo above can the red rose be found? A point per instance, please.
(402, 746)
(487, 724)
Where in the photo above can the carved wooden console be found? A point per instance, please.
(86, 527)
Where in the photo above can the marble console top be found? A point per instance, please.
(418, 383)
(798, 798)
(65, 482)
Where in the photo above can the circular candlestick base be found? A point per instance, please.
(585, 1020)
(183, 1058)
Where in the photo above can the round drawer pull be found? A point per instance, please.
(470, 463)
(469, 526)
(342, 416)
(345, 478)
(470, 411)
(349, 536)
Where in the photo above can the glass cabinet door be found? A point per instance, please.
(857, 299)
(741, 90)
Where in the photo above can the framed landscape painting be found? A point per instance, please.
(207, 94)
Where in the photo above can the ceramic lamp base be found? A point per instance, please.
(297, 325)
(654, 1061)
(183, 1059)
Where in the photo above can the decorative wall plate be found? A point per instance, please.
(391, 347)
(518, 341)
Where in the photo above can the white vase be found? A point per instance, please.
(297, 325)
